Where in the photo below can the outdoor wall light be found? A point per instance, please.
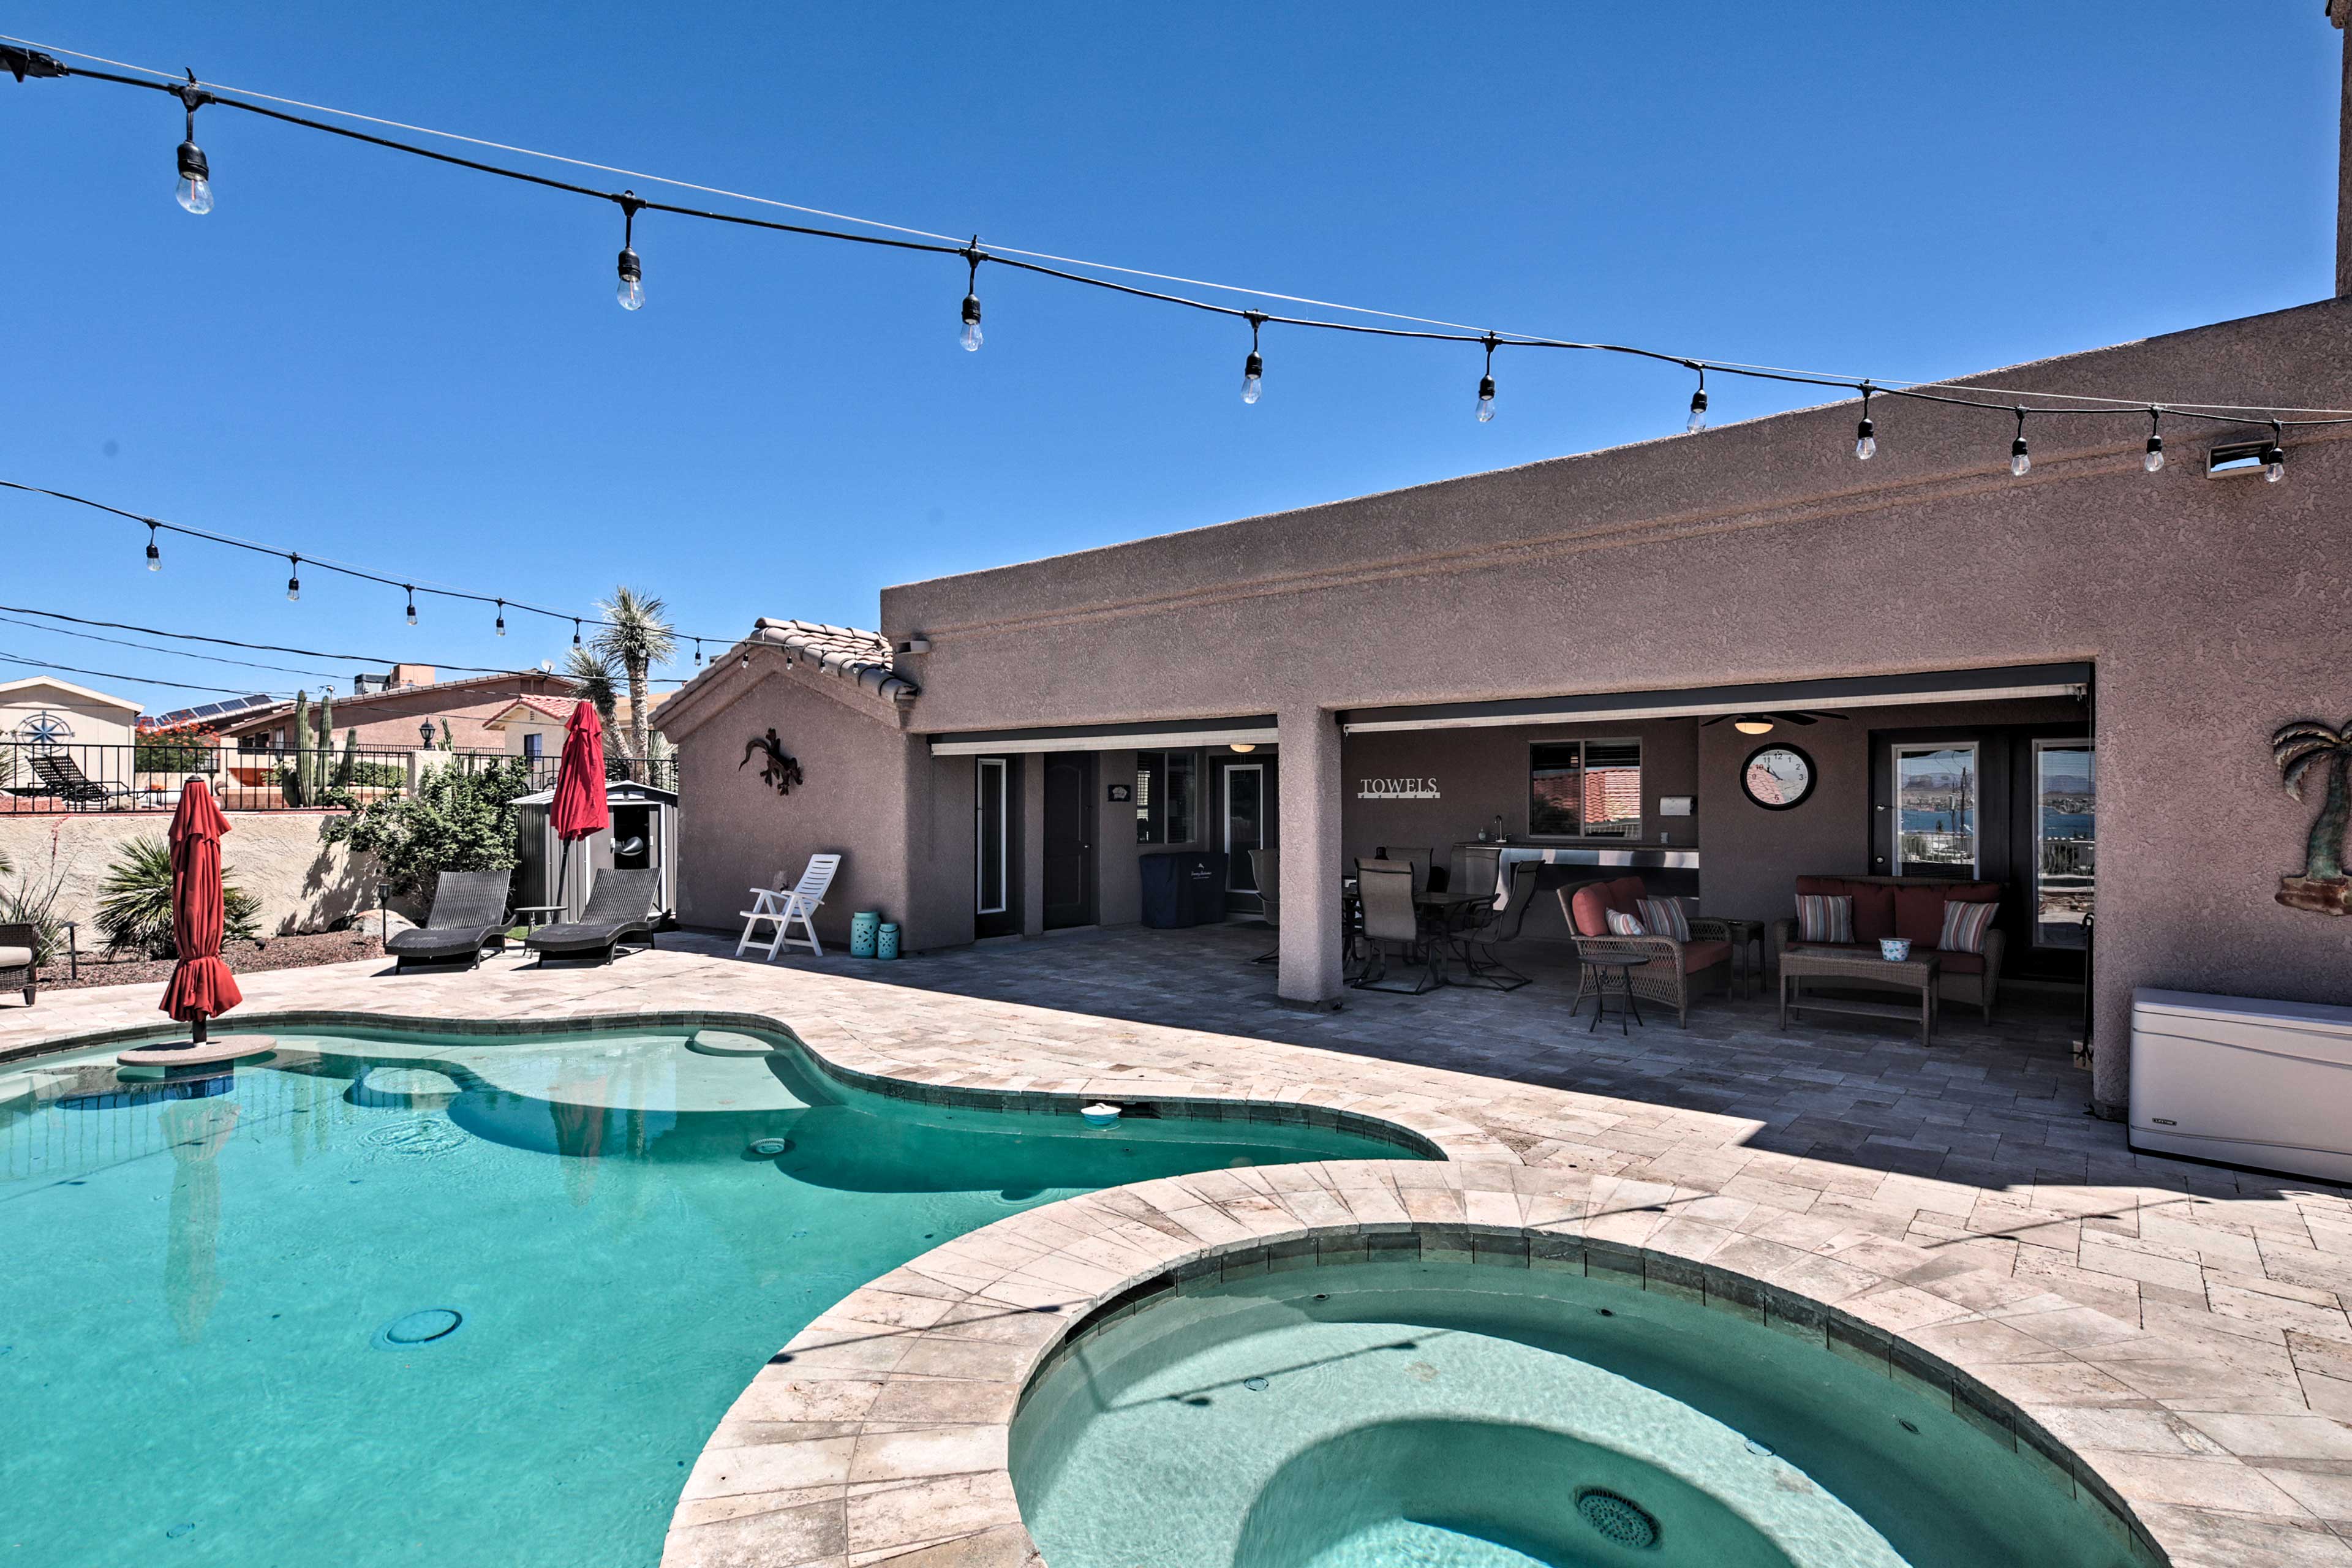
(195, 188)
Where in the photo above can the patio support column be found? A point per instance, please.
(1311, 856)
(1033, 845)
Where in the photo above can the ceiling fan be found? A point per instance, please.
(1761, 723)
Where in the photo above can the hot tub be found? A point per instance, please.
(1449, 1416)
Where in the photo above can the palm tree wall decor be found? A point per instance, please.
(2297, 749)
(636, 638)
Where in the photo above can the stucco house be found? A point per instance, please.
(43, 713)
(391, 710)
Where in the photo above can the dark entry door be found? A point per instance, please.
(1070, 839)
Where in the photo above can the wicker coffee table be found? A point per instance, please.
(1800, 964)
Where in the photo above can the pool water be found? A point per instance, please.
(434, 1300)
(1450, 1415)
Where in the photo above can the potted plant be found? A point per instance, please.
(2297, 749)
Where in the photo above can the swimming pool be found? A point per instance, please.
(1454, 1415)
(394, 1296)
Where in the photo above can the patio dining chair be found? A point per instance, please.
(1427, 878)
(1501, 922)
(1265, 869)
(778, 906)
(1392, 921)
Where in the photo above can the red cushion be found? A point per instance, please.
(1698, 955)
(1874, 910)
(1919, 914)
(1590, 907)
(1961, 963)
(1822, 886)
(1973, 893)
(1625, 896)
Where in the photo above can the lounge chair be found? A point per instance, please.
(619, 905)
(779, 906)
(469, 914)
(16, 945)
(60, 774)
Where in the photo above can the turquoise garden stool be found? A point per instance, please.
(864, 928)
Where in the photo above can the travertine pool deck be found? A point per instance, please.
(1950, 1213)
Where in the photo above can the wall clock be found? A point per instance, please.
(1777, 777)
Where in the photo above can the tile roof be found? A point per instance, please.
(845, 651)
(556, 707)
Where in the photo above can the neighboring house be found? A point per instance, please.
(532, 726)
(389, 716)
(45, 714)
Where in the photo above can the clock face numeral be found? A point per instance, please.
(1777, 777)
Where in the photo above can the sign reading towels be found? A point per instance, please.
(1397, 789)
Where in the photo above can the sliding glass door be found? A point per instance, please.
(2065, 840)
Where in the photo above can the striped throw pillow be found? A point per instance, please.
(1664, 918)
(1965, 926)
(1626, 925)
(1824, 917)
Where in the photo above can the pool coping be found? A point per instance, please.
(880, 1433)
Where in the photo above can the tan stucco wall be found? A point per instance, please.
(303, 885)
(2214, 610)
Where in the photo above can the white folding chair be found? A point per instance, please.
(779, 906)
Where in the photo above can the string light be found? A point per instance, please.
(412, 606)
(632, 290)
(698, 653)
(501, 627)
(2153, 461)
(2274, 456)
(25, 63)
(1698, 404)
(294, 578)
(2020, 463)
(970, 338)
(1487, 384)
(1254, 367)
(195, 188)
(1865, 433)
(154, 554)
(575, 634)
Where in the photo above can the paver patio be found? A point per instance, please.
(1856, 1162)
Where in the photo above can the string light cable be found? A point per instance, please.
(136, 679)
(26, 61)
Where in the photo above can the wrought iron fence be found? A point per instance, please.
(2066, 858)
(661, 772)
(37, 778)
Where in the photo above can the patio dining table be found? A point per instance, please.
(1442, 912)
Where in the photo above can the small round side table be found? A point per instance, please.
(1600, 971)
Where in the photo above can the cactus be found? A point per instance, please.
(350, 764)
(294, 780)
(322, 758)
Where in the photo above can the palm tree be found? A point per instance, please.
(2298, 748)
(591, 670)
(635, 637)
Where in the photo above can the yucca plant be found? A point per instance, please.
(134, 902)
(2297, 749)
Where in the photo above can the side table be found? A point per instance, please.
(1598, 973)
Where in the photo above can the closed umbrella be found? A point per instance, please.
(202, 986)
(579, 808)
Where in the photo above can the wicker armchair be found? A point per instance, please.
(1665, 970)
(17, 945)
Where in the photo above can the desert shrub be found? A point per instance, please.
(134, 902)
(459, 819)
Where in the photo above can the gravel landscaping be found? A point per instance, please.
(243, 958)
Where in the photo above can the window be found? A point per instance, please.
(1585, 789)
(1936, 811)
(994, 831)
(2065, 840)
(1166, 796)
(532, 740)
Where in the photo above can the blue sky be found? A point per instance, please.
(367, 357)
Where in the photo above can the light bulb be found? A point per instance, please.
(971, 337)
(631, 292)
(154, 557)
(294, 588)
(1699, 412)
(412, 606)
(502, 623)
(1866, 440)
(1486, 399)
(2020, 464)
(2155, 458)
(195, 188)
(2273, 463)
(1252, 377)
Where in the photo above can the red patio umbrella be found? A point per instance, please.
(202, 986)
(579, 808)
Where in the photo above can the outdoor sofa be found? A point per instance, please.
(619, 906)
(469, 913)
(1910, 907)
